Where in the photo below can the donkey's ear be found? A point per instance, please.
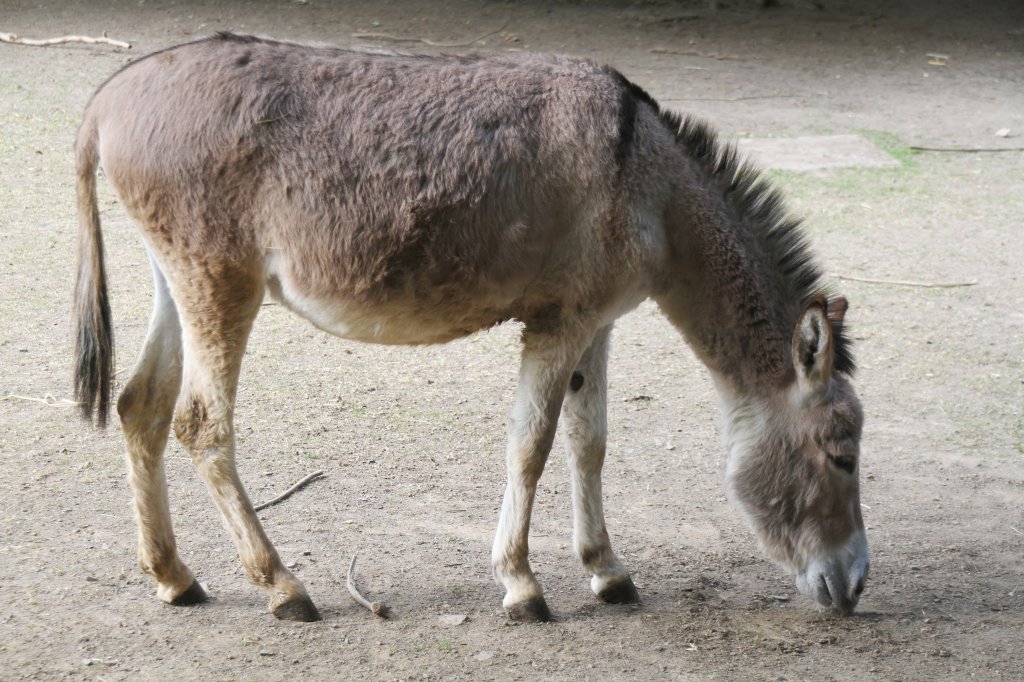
(813, 352)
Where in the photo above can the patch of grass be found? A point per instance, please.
(891, 145)
(855, 183)
(445, 646)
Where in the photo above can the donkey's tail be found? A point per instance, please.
(94, 339)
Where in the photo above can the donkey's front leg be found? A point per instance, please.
(585, 429)
(543, 376)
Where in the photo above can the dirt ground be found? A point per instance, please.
(411, 440)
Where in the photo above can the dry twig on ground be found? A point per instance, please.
(905, 283)
(727, 99)
(49, 399)
(46, 42)
(288, 493)
(967, 150)
(376, 608)
(696, 53)
(427, 41)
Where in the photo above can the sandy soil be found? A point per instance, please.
(410, 440)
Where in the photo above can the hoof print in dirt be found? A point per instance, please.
(531, 611)
(623, 592)
(300, 609)
(195, 594)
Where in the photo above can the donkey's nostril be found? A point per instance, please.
(859, 588)
(824, 594)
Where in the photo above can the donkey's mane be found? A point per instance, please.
(760, 207)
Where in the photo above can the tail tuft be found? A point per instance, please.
(94, 339)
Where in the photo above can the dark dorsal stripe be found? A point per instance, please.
(630, 98)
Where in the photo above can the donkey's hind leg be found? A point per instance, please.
(218, 307)
(145, 407)
(543, 376)
(585, 430)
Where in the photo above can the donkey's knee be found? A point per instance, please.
(145, 404)
(134, 405)
(198, 426)
(526, 468)
(528, 449)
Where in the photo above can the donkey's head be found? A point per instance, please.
(793, 466)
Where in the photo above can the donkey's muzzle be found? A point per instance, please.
(837, 580)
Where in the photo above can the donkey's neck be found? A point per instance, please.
(740, 272)
(725, 305)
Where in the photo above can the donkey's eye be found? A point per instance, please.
(845, 462)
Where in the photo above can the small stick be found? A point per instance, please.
(18, 40)
(427, 41)
(376, 608)
(967, 150)
(694, 53)
(48, 399)
(288, 493)
(905, 283)
(729, 99)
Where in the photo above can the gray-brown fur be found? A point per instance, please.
(410, 199)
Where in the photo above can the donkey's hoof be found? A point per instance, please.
(299, 609)
(530, 611)
(621, 592)
(195, 594)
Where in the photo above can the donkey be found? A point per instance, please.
(407, 199)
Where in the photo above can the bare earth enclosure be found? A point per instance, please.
(411, 440)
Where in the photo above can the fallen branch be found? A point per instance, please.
(376, 608)
(288, 493)
(47, 399)
(427, 41)
(18, 40)
(729, 99)
(694, 53)
(905, 283)
(967, 150)
(676, 19)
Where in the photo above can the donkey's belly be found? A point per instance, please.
(402, 320)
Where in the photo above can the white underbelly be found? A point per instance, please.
(414, 320)
(401, 321)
